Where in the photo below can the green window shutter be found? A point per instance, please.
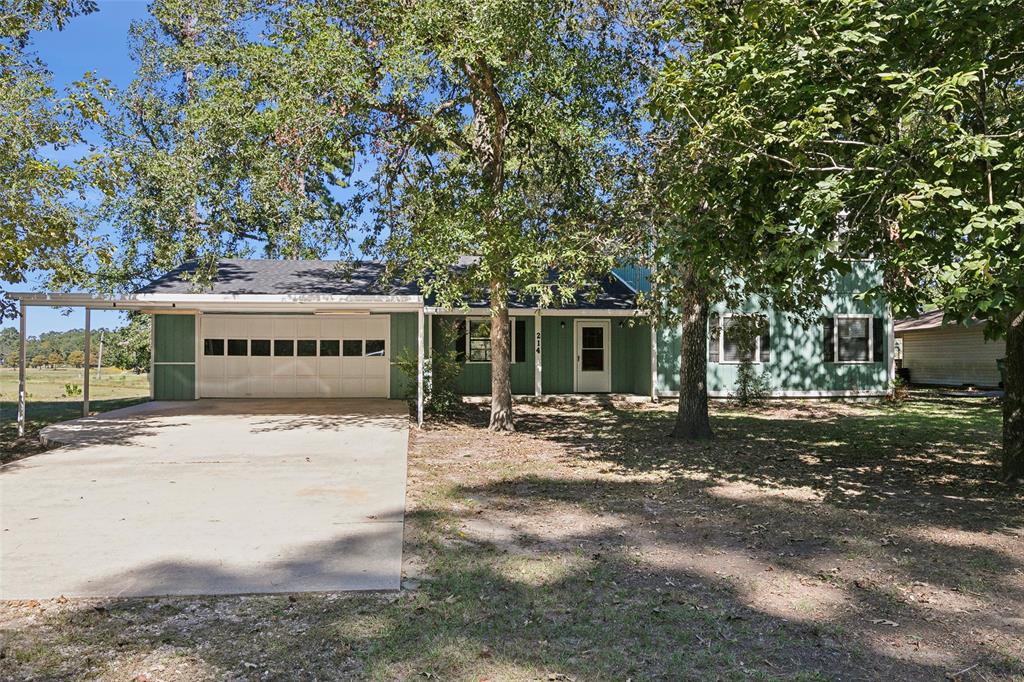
(878, 338)
(715, 334)
(828, 325)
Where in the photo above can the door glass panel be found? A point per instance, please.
(593, 337)
(238, 347)
(592, 360)
(375, 347)
(352, 348)
(260, 347)
(213, 346)
(329, 348)
(284, 347)
(305, 348)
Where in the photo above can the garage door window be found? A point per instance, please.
(305, 348)
(330, 348)
(284, 347)
(375, 348)
(238, 347)
(213, 346)
(352, 348)
(259, 347)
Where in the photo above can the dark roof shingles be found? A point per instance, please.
(358, 278)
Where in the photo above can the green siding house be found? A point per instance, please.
(283, 329)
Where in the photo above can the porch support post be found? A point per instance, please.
(419, 367)
(654, 361)
(538, 386)
(88, 354)
(890, 350)
(21, 371)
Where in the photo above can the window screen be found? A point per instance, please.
(853, 338)
(731, 343)
(238, 347)
(374, 347)
(305, 348)
(259, 347)
(213, 346)
(479, 341)
(592, 349)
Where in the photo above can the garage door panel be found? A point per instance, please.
(261, 366)
(306, 387)
(375, 386)
(284, 367)
(353, 329)
(376, 367)
(237, 387)
(284, 387)
(284, 327)
(307, 327)
(236, 366)
(331, 328)
(352, 367)
(329, 367)
(305, 366)
(352, 387)
(328, 387)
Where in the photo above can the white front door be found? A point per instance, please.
(593, 356)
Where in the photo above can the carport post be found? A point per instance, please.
(654, 361)
(21, 373)
(88, 350)
(419, 367)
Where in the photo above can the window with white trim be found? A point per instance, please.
(474, 344)
(725, 345)
(853, 338)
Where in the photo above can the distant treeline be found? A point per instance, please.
(126, 347)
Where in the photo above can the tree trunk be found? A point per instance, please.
(1013, 400)
(692, 422)
(501, 383)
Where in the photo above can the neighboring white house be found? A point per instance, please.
(948, 354)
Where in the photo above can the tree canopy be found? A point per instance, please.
(890, 129)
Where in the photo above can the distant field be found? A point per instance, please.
(48, 402)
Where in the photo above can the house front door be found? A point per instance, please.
(593, 356)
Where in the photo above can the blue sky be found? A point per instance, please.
(97, 42)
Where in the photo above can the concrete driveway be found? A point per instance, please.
(209, 497)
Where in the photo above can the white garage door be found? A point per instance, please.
(302, 356)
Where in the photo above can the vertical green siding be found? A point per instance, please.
(557, 362)
(631, 356)
(174, 356)
(174, 382)
(403, 339)
(797, 363)
(174, 338)
(475, 378)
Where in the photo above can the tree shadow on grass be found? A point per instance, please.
(924, 464)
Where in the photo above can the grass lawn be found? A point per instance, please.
(812, 541)
(47, 402)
